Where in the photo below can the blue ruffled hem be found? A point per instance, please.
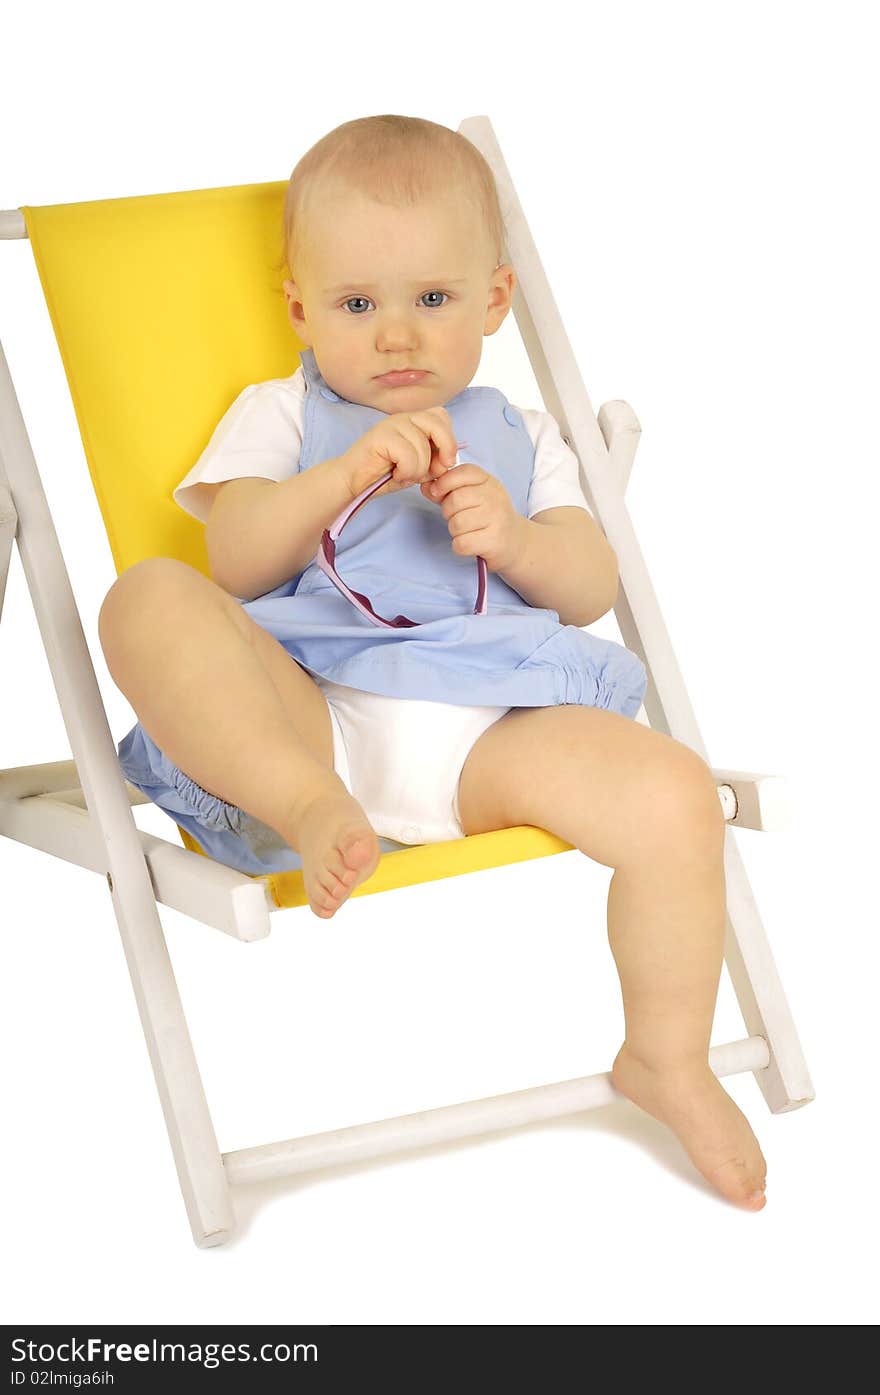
(225, 832)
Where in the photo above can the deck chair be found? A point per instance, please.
(192, 352)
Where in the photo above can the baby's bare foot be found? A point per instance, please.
(715, 1134)
(338, 848)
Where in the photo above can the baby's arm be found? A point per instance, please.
(566, 564)
(557, 560)
(261, 532)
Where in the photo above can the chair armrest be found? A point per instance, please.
(762, 801)
(621, 430)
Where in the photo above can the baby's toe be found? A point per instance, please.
(359, 848)
(741, 1182)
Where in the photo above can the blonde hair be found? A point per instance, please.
(396, 160)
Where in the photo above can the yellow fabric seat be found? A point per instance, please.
(164, 307)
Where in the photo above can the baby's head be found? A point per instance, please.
(393, 238)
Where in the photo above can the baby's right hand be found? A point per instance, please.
(410, 443)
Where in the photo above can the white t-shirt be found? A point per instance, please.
(261, 434)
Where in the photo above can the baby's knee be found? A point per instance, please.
(683, 802)
(153, 580)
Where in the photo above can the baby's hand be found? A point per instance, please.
(480, 514)
(408, 443)
(438, 468)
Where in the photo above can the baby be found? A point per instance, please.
(393, 232)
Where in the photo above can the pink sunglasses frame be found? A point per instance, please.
(326, 560)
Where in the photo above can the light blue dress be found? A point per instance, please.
(397, 550)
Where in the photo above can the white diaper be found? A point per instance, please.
(401, 758)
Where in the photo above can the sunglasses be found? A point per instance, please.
(326, 559)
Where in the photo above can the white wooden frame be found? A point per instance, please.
(81, 810)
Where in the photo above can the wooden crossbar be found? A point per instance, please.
(337, 1147)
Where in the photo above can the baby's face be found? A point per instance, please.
(386, 288)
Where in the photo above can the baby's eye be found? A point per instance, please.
(346, 303)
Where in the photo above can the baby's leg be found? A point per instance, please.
(639, 801)
(227, 704)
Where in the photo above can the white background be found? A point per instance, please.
(699, 181)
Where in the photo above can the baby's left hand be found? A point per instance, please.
(480, 514)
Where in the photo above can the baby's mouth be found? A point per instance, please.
(403, 378)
